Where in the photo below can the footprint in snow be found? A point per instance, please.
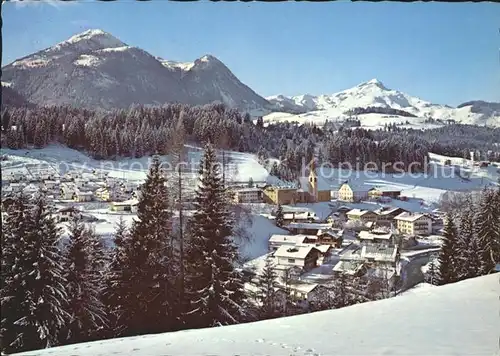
(260, 341)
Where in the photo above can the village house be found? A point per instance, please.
(247, 195)
(377, 237)
(351, 268)
(67, 191)
(363, 216)
(306, 293)
(279, 195)
(330, 236)
(413, 224)
(276, 241)
(12, 188)
(379, 192)
(306, 228)
(352, 192)
(31, 189)
(299, 217)
(83, 196)
(67, 213)
(51, 185)
(303, 256)
(125, 206)
(325, 251)
(386, 215)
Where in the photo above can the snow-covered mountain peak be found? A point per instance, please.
(373, 83)
(88, 41)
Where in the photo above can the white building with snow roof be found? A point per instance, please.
(304, 256)
(413, 224)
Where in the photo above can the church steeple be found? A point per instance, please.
(313, 180)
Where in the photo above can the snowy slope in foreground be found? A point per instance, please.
(458, 319)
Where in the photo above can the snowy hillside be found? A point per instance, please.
(456, 319)
(95, 69)
(375, 94)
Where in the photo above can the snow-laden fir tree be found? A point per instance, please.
(215, 287)
(83, 268)
(488, 230)
(279, 219)
(116, 294)
(469, 254)
(432, 274)
(449, 267)
(33, 287)
(267, 285)
(147, 303)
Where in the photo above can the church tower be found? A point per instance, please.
(313, 181)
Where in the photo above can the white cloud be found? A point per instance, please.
(54, 3)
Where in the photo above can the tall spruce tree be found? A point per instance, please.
(215, 286)
(279, 216)
(117, 294)
(267, 285)
(469, 255)
(147, 301)
(488, 230)
(33, 289)
(448, 255)
(83, 273)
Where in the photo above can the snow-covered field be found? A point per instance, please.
(456, 319)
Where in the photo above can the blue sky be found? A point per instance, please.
(445, 53)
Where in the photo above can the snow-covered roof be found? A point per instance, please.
(348, 267)
(332, 232)
(379, 253)
(386, 189)
(321, 182)
(370, 235)
(387, 211)
(289, 239)
(465, 328)
(303, 287)
(244, 190)
(408, 216)
(299, 251)
(84, 192)
(358, 212)
(300, 216)
(295, 225)
(357, 187)
(126, 202)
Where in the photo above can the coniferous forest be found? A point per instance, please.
(141, 131)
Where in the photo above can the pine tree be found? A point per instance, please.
(448, 261)
(215, 286)
(469, 261)
(33, 290)
(267, 285)
(250, 182)
(83, 273)
(279, 216)
(147, 300)
(431, 276)
(488, 230)
(116, 291)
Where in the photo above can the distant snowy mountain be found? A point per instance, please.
(94, 69)
(374, 94)
(207, 80)
(455, 319)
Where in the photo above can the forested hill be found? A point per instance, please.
(141, 131)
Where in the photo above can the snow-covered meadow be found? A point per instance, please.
(455, 319)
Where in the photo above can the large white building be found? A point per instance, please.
(413, 224)
(352, 192)
(248, 195)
